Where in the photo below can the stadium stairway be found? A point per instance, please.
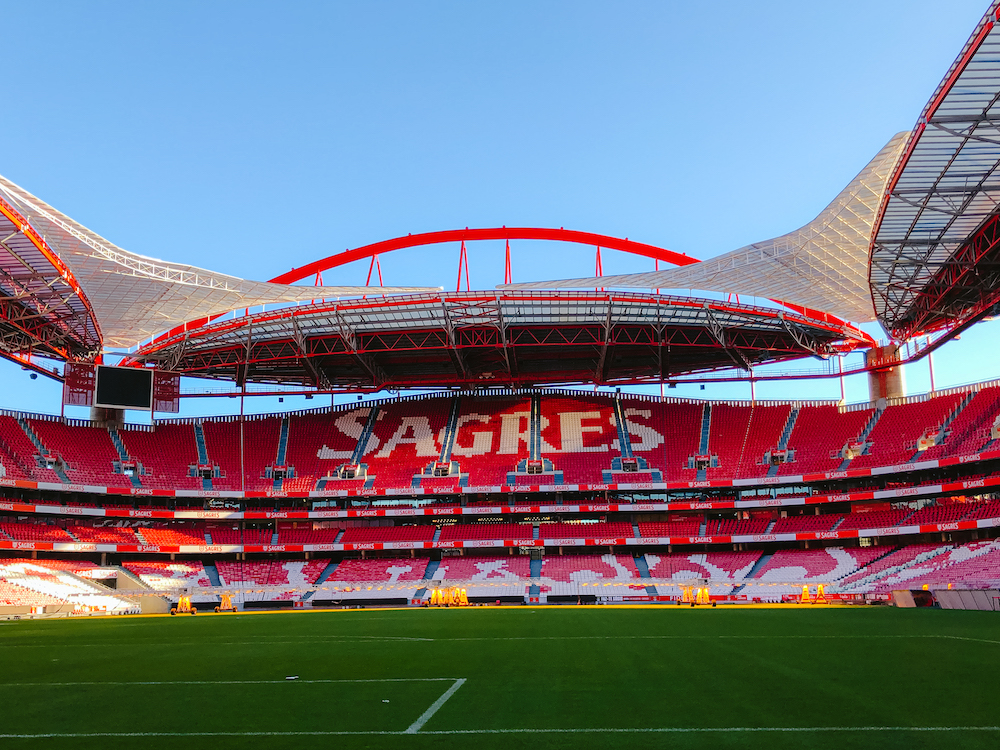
(706, 426)
(535, 568)
(448, 440)
(624, 440)
(786, 434)
(761, 562)
(431, 569)
(863, 437)
(123, 456)
(437, 534)
(211, 572)
(42, 450)
(14, 458)
(199, 439)
(208, 537)
(943, 429)
(635, 530)
(535, 449)
(282, 450)
(366, 433)
(643, 567)
(327, 572)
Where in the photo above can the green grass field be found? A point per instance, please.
(548, 677)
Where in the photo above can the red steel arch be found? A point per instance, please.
(470, 235)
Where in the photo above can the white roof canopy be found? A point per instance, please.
(823, 265)
(135, 297)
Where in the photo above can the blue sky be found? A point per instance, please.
(250, 137)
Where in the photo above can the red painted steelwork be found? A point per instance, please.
(469, 235)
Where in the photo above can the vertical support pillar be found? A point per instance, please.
(930, 364)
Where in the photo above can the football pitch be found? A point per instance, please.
(565, 677)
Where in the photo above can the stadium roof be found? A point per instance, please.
(822, 266)
(935, 256)
(91, 293)
(465, 339)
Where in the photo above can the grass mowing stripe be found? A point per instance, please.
(230, 682)
(442, 732)
(426, 715)
(364, 638)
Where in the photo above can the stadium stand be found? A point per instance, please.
(580, 436)
(166, 454)
(381, 570)
(581, 568)
(164, 575)
(509, 568)
(894, 438)
(361, 534)
(665, 435)
(406, 437)
(491, 436)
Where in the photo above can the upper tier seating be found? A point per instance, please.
(805, 523)
(987, 509)
(665, 434)
(970, 431)
(741, 435)
(228, 535)
(319, 443)
(613, 530)
(303, 534)
(21, 446)
(361, 534)
(894, 439)
(736, 527)
(581, 568)
(939, 513)
(165, 453)
(88, 451)
(105, 534)
(492, 437)
(35, 532)
(462, 531)
(874, 519)
(406, 438)
(820, 432)
(690, 527)
(580, 436)
(173, 536)
(382, 570)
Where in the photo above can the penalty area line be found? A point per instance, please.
(607, 730)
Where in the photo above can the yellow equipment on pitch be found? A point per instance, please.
(183, 606)
(449, 597)
(226, 605)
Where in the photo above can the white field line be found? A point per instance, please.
(615, 730)
(426, 715)
(230, 682)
